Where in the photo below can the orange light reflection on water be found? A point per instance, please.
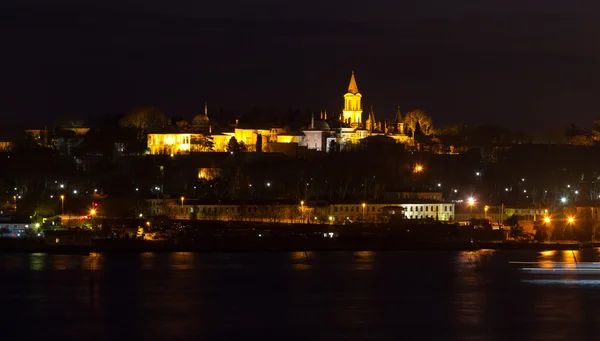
(301, 260)
(364, 260)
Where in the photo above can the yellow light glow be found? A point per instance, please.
(92, 212)
(363, 205)
(571, 220)
(62, 197)
(302, 203)
(547, 220)
(471, 201)
(418, 168)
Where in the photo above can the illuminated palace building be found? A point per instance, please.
(344, 130)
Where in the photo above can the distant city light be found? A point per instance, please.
(547, 220)
(471, 201)
(268, 184)
(523, 179)
(477, 173)
(506, 189)
(439, 185)
(524, 191)
(568, 186)
(576, 192)
(61, 186)
(455, 191)
(563, 200)
(74, 191)
(95, 190)
(571, 220)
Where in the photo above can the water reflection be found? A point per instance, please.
(37, 261)
(406, 295)
(182, 260)
(364, 260)
(301, 260)
(469, 300)
(569, 257)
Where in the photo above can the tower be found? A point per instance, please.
(371, 123)
(352, 112)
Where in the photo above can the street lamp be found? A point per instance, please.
(571, 220)
(363, 209)
(15, 198)
(485, 210)
(547, 220)
(62, 204)
(471, 202)
(182, 199)
(302, 211)
(418, 168)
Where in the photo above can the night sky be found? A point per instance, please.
(524, 64)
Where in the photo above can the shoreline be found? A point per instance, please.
(234, 246)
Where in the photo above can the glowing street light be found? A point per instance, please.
(485, 210)
(182, 199)
(92, 212)
(563, 200)
(471, 201)
(418, 168)
(363, 210)
(571, 220)
(62, 203)
(547, 220)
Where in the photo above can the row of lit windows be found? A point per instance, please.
(432, 208)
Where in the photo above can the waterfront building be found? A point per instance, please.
(292, 211)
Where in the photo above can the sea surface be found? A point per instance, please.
(476, 295)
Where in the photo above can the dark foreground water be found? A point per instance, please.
(295, 296)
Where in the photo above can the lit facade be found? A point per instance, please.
(318, 136)
(169, 143)
(352, 113)
(294, 212)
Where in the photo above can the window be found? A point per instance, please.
(445, 208)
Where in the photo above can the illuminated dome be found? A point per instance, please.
(200, 120)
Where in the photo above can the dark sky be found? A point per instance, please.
(524, 63)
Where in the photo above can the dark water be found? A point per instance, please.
(293, 296)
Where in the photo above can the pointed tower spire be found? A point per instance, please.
(353, 87)
(312, 121)
(372, 114)
(398, 115)
(205, 109)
